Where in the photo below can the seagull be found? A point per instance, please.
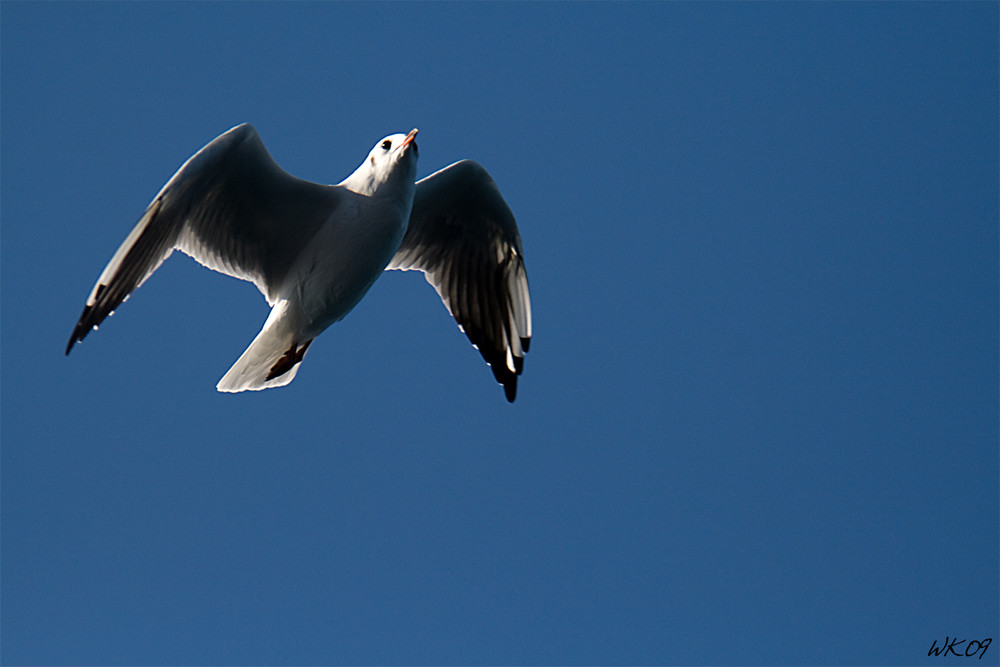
(315, 250)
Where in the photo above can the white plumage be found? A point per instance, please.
(314, 250)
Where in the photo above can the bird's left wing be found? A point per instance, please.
(464, 238)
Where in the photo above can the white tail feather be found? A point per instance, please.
(250, 371)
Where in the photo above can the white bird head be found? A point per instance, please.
(392, 162)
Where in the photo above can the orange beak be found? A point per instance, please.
(409, 137)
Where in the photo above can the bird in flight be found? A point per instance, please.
(314, 250)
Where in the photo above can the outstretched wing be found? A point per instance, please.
(230, 207)
(464, 238)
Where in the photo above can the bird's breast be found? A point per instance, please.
(347, 256)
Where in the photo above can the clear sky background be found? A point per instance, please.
(758, 422)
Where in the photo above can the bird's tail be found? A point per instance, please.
(272, 360)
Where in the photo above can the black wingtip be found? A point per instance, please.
(77, 336)
(510, 390)
(79, 333)
(80, 330)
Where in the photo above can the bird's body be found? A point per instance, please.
(315, 250)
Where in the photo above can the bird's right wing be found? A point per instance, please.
(231, 208)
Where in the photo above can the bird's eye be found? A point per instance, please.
(386, 145)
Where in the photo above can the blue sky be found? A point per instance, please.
(758, 423)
